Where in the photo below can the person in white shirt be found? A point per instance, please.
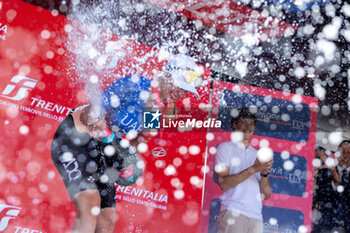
(243, 179)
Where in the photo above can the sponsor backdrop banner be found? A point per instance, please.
(39, 86)
(288, 123)
(233, 20)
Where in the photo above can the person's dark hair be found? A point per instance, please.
(243, 113)
(343, 142)
(320, 148)
(323, 150)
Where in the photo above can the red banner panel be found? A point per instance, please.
(41, 81)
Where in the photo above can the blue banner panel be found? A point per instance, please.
(280, 119)
(215, 205)
(288, 176)
(280, 220)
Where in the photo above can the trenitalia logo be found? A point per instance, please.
(19, 90)
(7, 213)
(158, 152)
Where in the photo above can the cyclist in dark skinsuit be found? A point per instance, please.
(80, 146)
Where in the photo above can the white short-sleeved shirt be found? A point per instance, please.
(245, 197)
